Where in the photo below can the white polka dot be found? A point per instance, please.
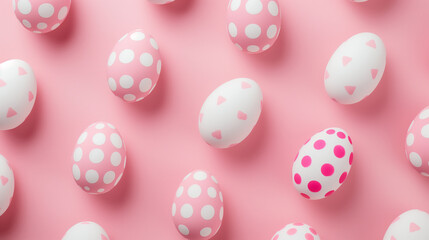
(232, 30)
(425, 131)
(205, 232)
(252, 31)
(100, 190)
(112, 59)
(415, 159)
(76, 172)
(115, 159)
(99, 139)
(266, 47)
(42, 25)
(126, 56)
(55, 26)
(221, 196)
(109, 177)
(238, 46)
(24, 6)
(118, 179)
(26, 23)
(86, 188)
(271, 32)
(273, 8)
(200, 175)
(82, 138)
(126, 81)
(207, 212)
(137, 36)
(145, 85)
(186, 211)
(129, 97)
(211, 191)
(146, 59)
(221, 213)
(158, 67)
(194, 191)
(154, 43)
(99, 126)
(91, 176)
(46, 10)
(183, 229)
(77, 155)
(179, 191)
(424, 114)
(62, 13)
(116, 140)
(424, 174)
(252, 48)
(410, 139)
(96, 155)
(173, 210)
(214, 179)
(254, 6)
(235, 4)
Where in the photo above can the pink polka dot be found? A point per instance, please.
(298, 224)
(330, 131)
(297, 178)
(313, 231)
(343, 177)
(319, 144)
(327, 169)
(305, 195)
(308, 236)
(339, 151)
(350, 140)
(291, 231)
(351, 158)
(306, 161)
(276, 237)
(341, 135)
(314, 186)
(329, 193)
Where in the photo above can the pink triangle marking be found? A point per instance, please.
(2, 83)
(220, 100)
(21, 71)
(4, 180)
(241, 115)
(371, 43)
(217, 134)
(30, 96)
(350, 89)
(245, 85)
(10, 113)
(346, 60)
(374, 73)
(414, 227)
(326, 75)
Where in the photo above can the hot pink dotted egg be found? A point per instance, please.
(323, 163)
(41, 16)
(417, 142)
(198, 206)
(161, 1)
(99, 158)
(134, 66)
(253, 25)
(296, 231)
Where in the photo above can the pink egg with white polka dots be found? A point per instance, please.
(161, 1)
(41, 16)
(7, 185)
(99, 158)
(134, 66)
(253, 25)
(323, 163)
(86, 231)
(417, 142)
(410, 225)
(198, 206)
(296, 231)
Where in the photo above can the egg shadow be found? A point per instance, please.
(10, 217)
(66, 30)
(373, 7)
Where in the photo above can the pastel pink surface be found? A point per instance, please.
(161, 132)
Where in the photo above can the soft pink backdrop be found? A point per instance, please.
(161, 132)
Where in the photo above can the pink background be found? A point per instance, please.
(161, 132)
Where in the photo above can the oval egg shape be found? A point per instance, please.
(253, 25)
(417, 142)
(7, 185)
(197, 209)
(86, 231)
(230, 112)
(134, 66)
(410, 225)
(18, 90)
(99, 158)
(323, 163)
(296, 231)
(161, 1)
(41, 16)
(355, 68)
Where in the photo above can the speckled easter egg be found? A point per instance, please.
(355, 68)
(134, 66)
(417, 142)
(18, 89)
(323, 163)
(410, 225)
(253, 25)
(86, 231)
(7, 185)
(99, 158)
(230, 113)
(296, 231)
(198, 206)
(161, 1)
(41, 16)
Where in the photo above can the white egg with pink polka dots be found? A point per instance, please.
(161, 1)
(253, 25)
(296, 231)
(99, 158)
(323, 163)
(7, 185)
(134, 66)
(197, 209)
(41, 16)
(86, 231)
(410, 225)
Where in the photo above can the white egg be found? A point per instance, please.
(410, 225)
(296, 231)
(7, 185)
(86, 231)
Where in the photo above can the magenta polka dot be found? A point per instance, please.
(339, 151)
(343, 177)
(351, 159)
(276, 237)
(305, 195)
(314, 186)
(350, 140)
(319, 144)
(298, 224)
(308, 236)
(329, 193)
(297, 178)
(330, 131)
(341, 135)
(306, 161)
(291, 231)
(313, 231)
(327, 169)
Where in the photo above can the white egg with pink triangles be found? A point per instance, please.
(410, 225)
